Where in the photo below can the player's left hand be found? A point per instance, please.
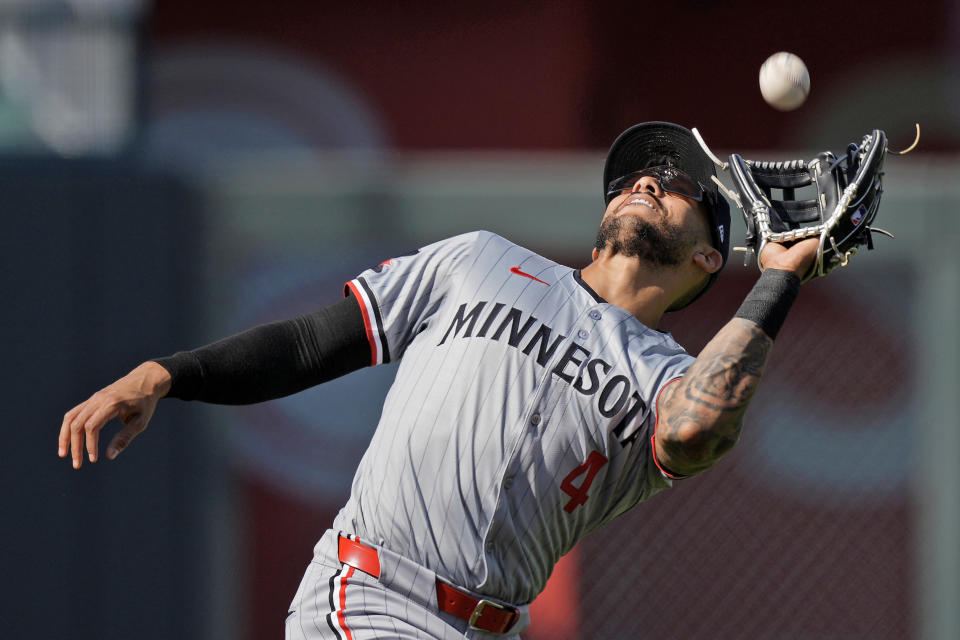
(798, 257)
(841, 215)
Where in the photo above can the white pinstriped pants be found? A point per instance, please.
(338, 602)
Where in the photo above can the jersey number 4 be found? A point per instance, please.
(578, 493)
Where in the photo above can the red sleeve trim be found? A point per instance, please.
(653, 438)
(367, 324)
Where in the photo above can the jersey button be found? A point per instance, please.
(508, 482)
(582, 334)
(535, 419)
(489, 546)
(595, 314)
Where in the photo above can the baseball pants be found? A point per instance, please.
(337, 601)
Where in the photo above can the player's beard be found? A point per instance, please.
(660, 246)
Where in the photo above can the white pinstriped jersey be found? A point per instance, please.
(520, 419)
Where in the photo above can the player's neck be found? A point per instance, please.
(628, 283)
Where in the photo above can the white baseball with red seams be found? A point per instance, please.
(784, 81)
(520, 420)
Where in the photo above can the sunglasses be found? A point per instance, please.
(671, 180)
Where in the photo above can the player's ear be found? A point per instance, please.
(708, 259)
(595, 253)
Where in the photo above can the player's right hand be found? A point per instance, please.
(133, 398)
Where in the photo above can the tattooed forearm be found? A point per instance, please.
(700, 416)
(728, 371)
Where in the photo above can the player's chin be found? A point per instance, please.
(654, 245)
(625, 234)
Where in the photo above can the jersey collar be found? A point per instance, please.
(589, 289)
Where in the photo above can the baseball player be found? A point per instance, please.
(533, 403)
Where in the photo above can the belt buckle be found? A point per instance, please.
(478, 611)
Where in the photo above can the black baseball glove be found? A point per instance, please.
(845, 195)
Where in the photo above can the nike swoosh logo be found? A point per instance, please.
(517, 271)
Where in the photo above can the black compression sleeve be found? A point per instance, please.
(273, 360)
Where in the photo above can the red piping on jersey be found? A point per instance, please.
(653, 438)
(343, 603)
(367, 325)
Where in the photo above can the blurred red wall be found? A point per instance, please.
(571, 75)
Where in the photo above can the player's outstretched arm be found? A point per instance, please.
(133, 399)
(263, 363)
(700, 416)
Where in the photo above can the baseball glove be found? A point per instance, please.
(845, 197)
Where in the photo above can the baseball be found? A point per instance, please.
(784, 81)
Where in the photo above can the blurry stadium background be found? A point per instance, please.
(175, 171)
